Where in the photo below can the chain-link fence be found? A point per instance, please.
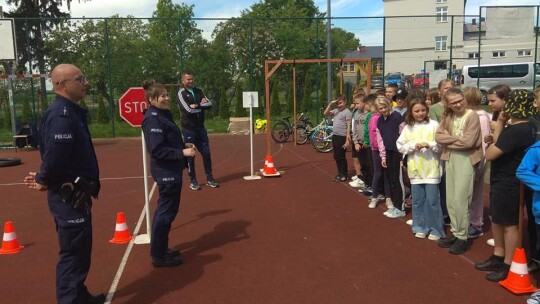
(227, 56)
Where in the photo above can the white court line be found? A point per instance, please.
(123, 263)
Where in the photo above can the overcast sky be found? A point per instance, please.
(232, 8)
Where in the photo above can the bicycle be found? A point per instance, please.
(321, 137)
(282, 129)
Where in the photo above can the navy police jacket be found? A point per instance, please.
(165, 145)
(65, 145)
(192, 118)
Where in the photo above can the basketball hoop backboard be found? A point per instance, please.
(8, 48)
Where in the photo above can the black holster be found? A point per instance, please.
(79, 193)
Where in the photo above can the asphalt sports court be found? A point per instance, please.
(298, 238)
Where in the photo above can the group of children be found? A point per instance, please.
(435, 148)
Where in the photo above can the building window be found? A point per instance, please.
(524, 53)
(440, 43)
(499, 54)
(473, 55)
(442, 14)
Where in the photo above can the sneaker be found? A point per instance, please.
(212, 183)
(460, 246)
(447, 242)
(493, 263)
(339, 178)
(358, 183)
(373, 203)
(389, 203)
(535, 298)
(432, 237)
(387, 212)
(474, 233)
(194, 185)
(367, 191)
(409, 222)
(491, 242)
(380, 197)
(396, 213)
(420, 235)
(354, 177)
(499, 274)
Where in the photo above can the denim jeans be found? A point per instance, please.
(426, 210)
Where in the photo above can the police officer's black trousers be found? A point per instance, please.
(74, 229)
(168, 205)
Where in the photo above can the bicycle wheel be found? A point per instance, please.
(301, 135)
(322, 140)
(280, 132)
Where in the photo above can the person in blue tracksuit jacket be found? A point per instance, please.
(69, 172)
(167, 152)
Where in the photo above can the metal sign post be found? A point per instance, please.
(251, 100)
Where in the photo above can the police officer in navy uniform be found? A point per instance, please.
(167, 152)
(69, 173)
(192, 103)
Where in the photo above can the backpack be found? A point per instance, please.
(535, 121)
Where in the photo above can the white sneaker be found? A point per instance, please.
(357, 183)
(433, 237)
(420, 235)
(491, 242)
(387, 212)
(380, 197)
(409, 222)
(373, 203)
(354, 177)
(396, 213)
(389, 203)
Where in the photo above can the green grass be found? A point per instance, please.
(123, 129)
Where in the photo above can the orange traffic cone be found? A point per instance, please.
(121, 233)
(518, 280)
(269, 169)
(10, 244)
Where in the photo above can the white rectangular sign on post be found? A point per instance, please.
(248, 98)
(251, 100)
(8, 47)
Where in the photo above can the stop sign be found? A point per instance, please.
(132, 104)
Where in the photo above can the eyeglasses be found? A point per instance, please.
(80, 79)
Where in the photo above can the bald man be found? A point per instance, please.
(69, 173)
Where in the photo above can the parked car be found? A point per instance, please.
(396, 78)
(377, 82)
(421, 80)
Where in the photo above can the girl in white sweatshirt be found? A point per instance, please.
(417, 141)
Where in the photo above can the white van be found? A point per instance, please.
(515, 75)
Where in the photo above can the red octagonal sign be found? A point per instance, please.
(132, 104)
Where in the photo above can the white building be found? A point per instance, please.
(437, 36)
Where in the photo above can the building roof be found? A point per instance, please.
(373, 52)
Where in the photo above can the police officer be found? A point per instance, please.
(192, 103)
(69, 172)
(167, 152)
